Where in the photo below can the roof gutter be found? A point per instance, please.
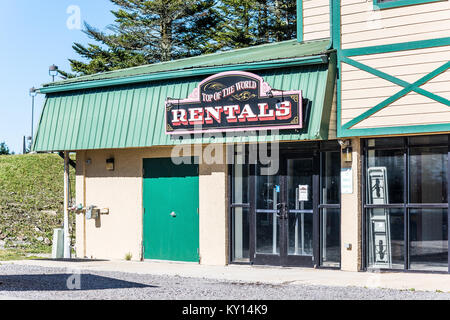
(311, 60)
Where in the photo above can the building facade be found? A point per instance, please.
(330, 150)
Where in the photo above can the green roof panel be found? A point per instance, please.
(132, 115)
(257, 54)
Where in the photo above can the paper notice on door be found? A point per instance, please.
(303, 193)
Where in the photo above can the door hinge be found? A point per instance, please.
(198, 211)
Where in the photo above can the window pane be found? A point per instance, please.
(427, 140)
(267, 223)
(330, 180)
(386, 142)
(428, 230)
(240, 183)
(267, 191)
(300, 234)
(385, 175)
(428, 175)
(331, 237)
(386, 238)
(267, 233)
(241, 229)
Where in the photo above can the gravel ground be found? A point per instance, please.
(37, 283)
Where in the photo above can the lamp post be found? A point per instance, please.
(53, 71)
(33, 94)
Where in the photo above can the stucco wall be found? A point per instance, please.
(120, 232)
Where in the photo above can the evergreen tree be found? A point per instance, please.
(4, 150)
(284, 25)
(237, 28)
(147, 31)
(150, 31)
(246, 23)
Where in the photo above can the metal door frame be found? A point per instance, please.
(283, 259)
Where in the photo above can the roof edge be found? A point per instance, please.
(309, 60)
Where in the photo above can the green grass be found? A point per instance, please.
(18, 254)
(31, 202)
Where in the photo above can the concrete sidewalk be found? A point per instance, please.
(253, 274)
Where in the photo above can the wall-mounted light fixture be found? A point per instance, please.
(110, 164)
(347, 150)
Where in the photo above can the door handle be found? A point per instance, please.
(283, 211)
(173, 215)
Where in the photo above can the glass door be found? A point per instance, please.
(268, 218)
(285, 213)
(300, 210)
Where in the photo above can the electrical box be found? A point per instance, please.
(92, 213)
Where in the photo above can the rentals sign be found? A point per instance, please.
(234, 101)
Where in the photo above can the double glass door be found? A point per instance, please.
(285, 214)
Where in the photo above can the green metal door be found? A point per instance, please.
(171, 221)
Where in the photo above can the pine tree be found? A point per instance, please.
(237, 28)
(284, 26)
(4, 150)
(246, 23)
(150, 31)
(147, 31)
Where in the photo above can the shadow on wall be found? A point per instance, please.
(62, 282)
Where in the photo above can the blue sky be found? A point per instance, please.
(33, 36)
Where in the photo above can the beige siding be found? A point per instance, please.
(351, 215)
(121, 232)
(316, 19)
(363, 26)
(361, 90)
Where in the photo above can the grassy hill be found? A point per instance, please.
(31, 202)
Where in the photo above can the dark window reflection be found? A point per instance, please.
(385, 174)
(330, 180)
(240, 194)
(241, 228)
(428, 239)
(268, 191)
(428, 175)
(331, 237)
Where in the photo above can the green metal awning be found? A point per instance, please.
(127, 112)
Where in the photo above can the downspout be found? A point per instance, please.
(84, 205)
(67, 253)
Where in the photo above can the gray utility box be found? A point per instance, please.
(58, 244)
